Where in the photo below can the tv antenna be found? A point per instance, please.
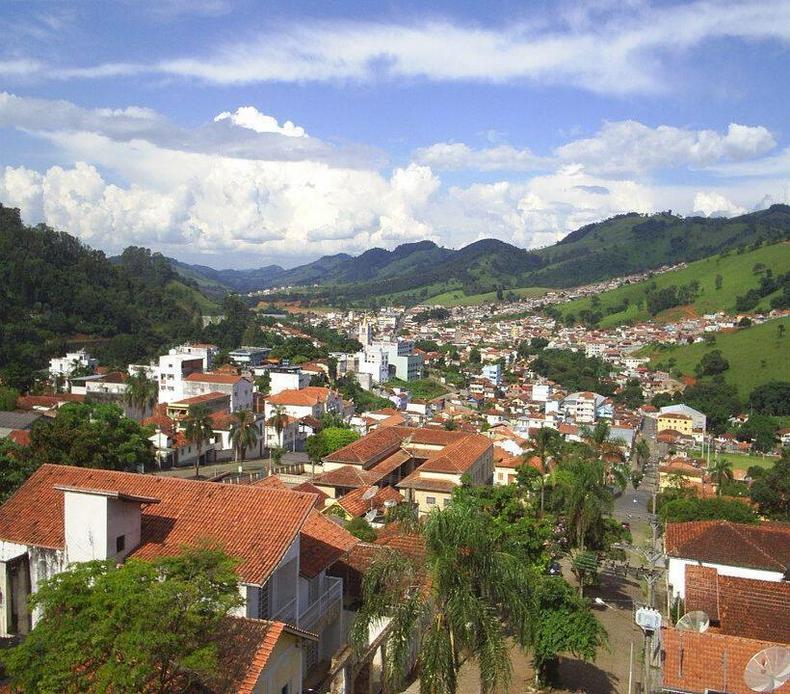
(768, 670)
(696, 620)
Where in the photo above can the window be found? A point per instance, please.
(430, 500)
(446, 502)
(285, 689)
(120, 543)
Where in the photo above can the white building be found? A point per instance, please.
(582, 406)
(63, 367)
(237, 387)
(493, 373)
(174, 368)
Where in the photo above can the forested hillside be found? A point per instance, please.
(54, 289)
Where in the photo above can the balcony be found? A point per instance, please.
(325, 609)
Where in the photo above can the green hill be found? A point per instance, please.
(738, 272)
(756, 355)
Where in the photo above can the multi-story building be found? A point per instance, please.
(249, 356)
(61, 368)
(64, 515)
(492, 373)
(238, 388)
(675, 421)
(174, 368)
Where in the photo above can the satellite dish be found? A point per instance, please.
(370, 493)
(389, 503)
(370, 516)
(696, 620)
(768, 670)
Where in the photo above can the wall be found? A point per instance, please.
(85, 525)
(284, 668)
(676, 575)
(123, 518)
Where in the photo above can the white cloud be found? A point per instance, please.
(615, 48)
(712, 204)
(632, 147)
(251, 118)
(454, 156)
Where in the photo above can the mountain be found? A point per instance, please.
(413, 272)
(57, 293)
(724, 282)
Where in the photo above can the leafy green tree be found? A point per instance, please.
(712, 363)
(771, 492)
(760, 430)
(771, 399)
(474, 356)
(92, 435)
(263, 383)
(631, 394)
(16, 465)
(720, 470)
(8, 398)
(199, 430)
(717, 399)
(142, 393)
(565, 624)
(473, 590)
(685, 509)
(243, 434)
(360, 528)
(139, 626)
(583, 497)
(547, 446)
(336, 438)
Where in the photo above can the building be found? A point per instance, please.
(249, 356)
(581, 407)
(424, 464)
(493, 373)
(63, 514)
(698, 419)
(310, 401)
(61, 368)
(284, 378)
(402, 361)
(238, 388)
(202, 350)
(675, 421)
(757, 552)
(174, 368)
(212, 401)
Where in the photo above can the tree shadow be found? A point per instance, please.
(580, 676)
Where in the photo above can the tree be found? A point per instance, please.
(243, 434)
(712, 363)
(142, 393)
(771, 398)
(276, 457)
(475, 356)
(472, 590)
(314, 447)
(565, 624)
(780, 330)
(279, 420)
(139, 626)
(720, 471)
(771, 492)
(684, 509)
(263, 383)
(8, 398)
(336, 438)
(583, 498)
(360, 528)
(16, 465)
(547, 445)
(718, 282)
(642, 452)
(199, 430)
(92, 435)
(760, 430)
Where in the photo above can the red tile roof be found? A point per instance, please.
(742, 606)
(345, 476)
(21, 437)
(354, 504)
(214, 377)
(764, 546)
(255, 525)
(309, 488)
(200, 399)
(696, 662)
(416, 481)
(322, 543)
(305, 397)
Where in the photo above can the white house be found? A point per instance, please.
(758, 552)
(63, 367)
(237, 387)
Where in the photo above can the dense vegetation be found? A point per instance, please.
(56, 292)
(573, 370)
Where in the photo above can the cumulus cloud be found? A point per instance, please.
(712, 204)
(619, 48)
(251, 118)
(449, 156)
(632, 147)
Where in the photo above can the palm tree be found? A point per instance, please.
(471, 591)
(280, 420)
(548, 443)
(584, 496)
(243, 434)
(142, 393)
(720, 470)
(199, 430)
(642, 452)
(621, 475)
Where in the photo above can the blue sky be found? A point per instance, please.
(241, 133)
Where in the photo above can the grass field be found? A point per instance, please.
(458, 298)
(756, 355)
(741, 461)
(737, 278)
(186, 295)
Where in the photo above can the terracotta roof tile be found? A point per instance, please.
(354, 504)
(323, 542)
(214, 377)
(763, 546)
(307, 397)
(345, 476)
(255, 525)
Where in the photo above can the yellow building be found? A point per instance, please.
(676, 422)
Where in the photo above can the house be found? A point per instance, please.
(17, 421)
(364, 501)
(312, 400)
(698, 420)
(425, 464)
(213, 401)
(758, 552)
(174, 368)
(675, 421)
(249, 356)
(61, 368)
(238, 388)
(62, 515)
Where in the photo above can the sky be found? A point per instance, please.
(249, 132)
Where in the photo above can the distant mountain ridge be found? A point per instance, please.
(617, 246)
